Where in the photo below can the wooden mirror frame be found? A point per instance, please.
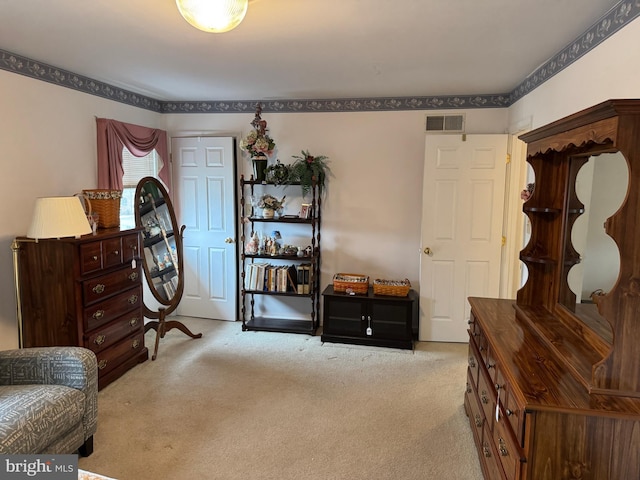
(169, 302)
(607, 366)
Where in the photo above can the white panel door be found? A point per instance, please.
(462, 206)
(205, 197)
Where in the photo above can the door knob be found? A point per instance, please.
(428, 251)
(228, 240)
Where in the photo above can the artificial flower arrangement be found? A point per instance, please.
(270, 202)
(258, 142)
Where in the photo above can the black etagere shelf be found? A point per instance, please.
(252, 322)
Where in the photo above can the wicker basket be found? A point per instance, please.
(352, 283)
(106, 203)
(394, 288)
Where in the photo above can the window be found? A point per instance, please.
(135, 169)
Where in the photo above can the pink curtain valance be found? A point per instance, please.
(113, 135)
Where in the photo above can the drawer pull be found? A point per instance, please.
(116, 252)
(509, 412)
(100, 339)
(503, 448)
(484, 398)
(102, 364)
(135, 344)
(472, 362)
(99, 288)
(95, 257)
(98, 314)
(478, 421)
(133, 277)
(133, 299)
(489, 366)
(486, 450)
(133, 322)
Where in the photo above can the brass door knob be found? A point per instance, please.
(228, 240)
(428, 251)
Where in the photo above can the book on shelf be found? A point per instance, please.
(308, 275)
(292, 278)
(276, 278)
(304, 274)
(168, 289)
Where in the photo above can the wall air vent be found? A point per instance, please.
(445, 123)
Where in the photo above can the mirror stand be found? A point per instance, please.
(162, 326)
(163, 260)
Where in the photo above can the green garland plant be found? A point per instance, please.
(306, 167)
(277, 173)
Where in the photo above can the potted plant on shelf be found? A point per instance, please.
(308, 168)
(270, 205)
(258, 144)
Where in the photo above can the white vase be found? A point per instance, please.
(267, 213)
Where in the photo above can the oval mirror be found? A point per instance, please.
(162, 259)
(162, 242)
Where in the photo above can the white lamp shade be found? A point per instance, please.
(216, 16)
(58, 217)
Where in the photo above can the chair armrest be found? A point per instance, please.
(74, 367)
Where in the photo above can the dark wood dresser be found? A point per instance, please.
(553, 381)
(85, 292)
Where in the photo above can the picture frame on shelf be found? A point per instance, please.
(305, 210)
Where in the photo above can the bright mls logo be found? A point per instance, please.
(51, 467)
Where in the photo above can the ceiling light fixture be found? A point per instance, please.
(216, 16)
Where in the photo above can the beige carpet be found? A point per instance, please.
(257, 405)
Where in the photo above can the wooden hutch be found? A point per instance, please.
(553, 387)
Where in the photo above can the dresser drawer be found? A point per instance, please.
(513, 412)
(105, 286)
(90, 257)
(474, 411)
(106, 336)
(130, 247)
(110, 358)
(509, 453)
(107, 310)
(491, 463)
(474, 364)
(112, 252)
(486, 395)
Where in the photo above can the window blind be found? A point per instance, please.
(136, 168)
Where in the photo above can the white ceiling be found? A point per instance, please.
(301, 49)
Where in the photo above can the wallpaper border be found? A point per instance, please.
(620, 15)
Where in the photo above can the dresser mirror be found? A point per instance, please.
(162, 256)
(601, 186)
(591, 257)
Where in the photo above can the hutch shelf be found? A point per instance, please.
(301, 289)
(553, 384)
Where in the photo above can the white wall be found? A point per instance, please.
(372, 208)
(48, 148)
(371, 212)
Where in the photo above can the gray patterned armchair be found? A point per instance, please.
(48, 400)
